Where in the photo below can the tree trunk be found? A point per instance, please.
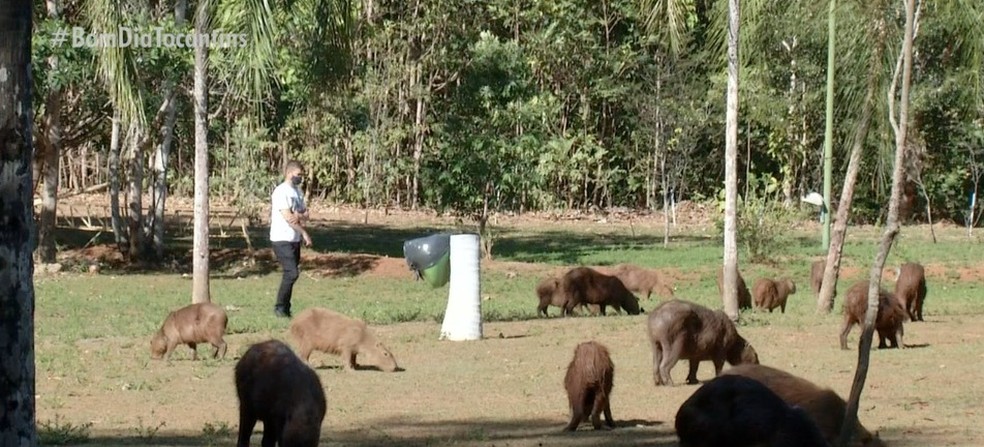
(114, 185)
(891, 230)
(17, 370)
(163, 150)
(200, 292)
(52, 155)
(730, 280)
(135, 202)
(825, 300)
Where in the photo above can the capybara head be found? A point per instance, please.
(742, 352)
(790, 285)
(380, 356)
(631, 305)
(158, 345)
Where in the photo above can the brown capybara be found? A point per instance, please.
(190, 325)
(589, 380)
(681, 330)
(770, 294)
(546, 291)
(910, 289)
(318, 329)
(736, 411)
(816, 275)
(274, 386)
(888, 321)
(744, 298)
(640, 280)
(823, 405)
(583, 285)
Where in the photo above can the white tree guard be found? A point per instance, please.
(463, 317)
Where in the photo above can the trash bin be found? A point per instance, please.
(429, 257)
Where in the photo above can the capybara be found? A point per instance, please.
(888, 321)
(640, 280)
(276, 387)
(816, 275)
(823, 405)
(547, 292)
(910, 289)
(589, 380)
(736, 411)
(744, 298)
(192, 324)
(583, 285)
(681, 329)
(318, 329)
(770, 294)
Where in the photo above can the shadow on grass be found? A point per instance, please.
(353, 248)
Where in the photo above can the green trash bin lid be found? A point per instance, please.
(440, 273)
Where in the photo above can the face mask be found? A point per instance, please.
(296, 180)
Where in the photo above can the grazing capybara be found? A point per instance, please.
(816, 275)
(823, 405)
(274, 386)
(888, 321)
(736, 411)
(744, 298)
(910, 289)
(681, 330)
(318, 329)
(547, 292)
(589, 380)
(583, 285)
(190, 325)
(640, 280)
(770, 294)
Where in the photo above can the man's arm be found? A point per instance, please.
(294, 220)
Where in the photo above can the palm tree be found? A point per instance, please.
(17, 371)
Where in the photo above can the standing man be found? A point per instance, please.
(287, 217)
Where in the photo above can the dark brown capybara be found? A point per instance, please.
(274, 386)
(190, 325)
(589, 381)
(736, 411)
(641, 280)
(744, 297)
(888, 321)
(318, 329)
(770, 294)
(816, 275)
(823, 405)
(583, 285)
(910, 289)
(547, 292)
(681, 330)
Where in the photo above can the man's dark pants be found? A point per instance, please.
(289, 255)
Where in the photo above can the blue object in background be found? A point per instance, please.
(429, 258)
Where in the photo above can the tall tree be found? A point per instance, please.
(730, 280)
(51, 148)
(891, 230)
(200, 292)
(17, 372)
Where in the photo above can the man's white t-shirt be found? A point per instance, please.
(285, 197)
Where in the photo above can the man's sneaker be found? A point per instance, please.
(281, 313)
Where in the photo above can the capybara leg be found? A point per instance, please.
(844, 331)
(718, 366)
(271, 433)
(194, 350)
(919, 305)
(569, 308)
(657, 362)
(305, 351)
(783, 307)
(692, 374)
(246, 425)
(577, 414)
(608, 414)
(671, 353)
(171, 345)
(348, 357)
(220, 349)
(600, 406)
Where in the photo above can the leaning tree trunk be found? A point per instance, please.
(891, 230)
(163, 149)
(52, 154)
(17, 372)
(825, 300)
(730, 280)
(200, 269)
(135, 202)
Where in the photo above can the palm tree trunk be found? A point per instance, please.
(17, 370)
(730, 280)
(135, 202)
(200, 253)
(114, 184)
(891, 230)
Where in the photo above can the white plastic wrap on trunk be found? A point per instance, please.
(463, 317)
